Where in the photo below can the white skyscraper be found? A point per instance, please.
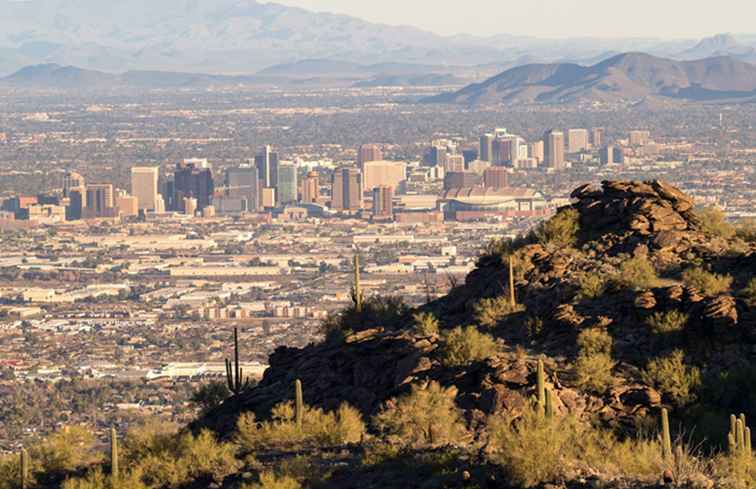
(144, 186)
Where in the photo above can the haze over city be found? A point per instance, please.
(348, 245)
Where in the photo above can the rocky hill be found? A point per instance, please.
(625, 77)
(623, 261)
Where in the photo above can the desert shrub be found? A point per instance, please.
(637, 273)
(749, 293)
(592, 286)
(707, 282)
(488, 312)
(463, 346)
(377, 311)
(594, 340)
(428, 414)
(594, 363)
(426, 324)
(746, 230)
(534, 325)
(561, 230)
(206, 457)
(150, 438)
(594, 372)
(65, 451)
(318, 427)
(713, 223)
(668, 322)
(269, 480)
(210, 395)
(9, 470)
(735, 472)
(95, 479)
(673, 378)
(500, 249)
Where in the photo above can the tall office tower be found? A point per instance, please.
(268, 197)
(535, 151)
(169, 193)
(611, 154)
(478, 167)
(369, 152)
(72, 180)
(470, 154)
(496, 177)
(577, 140)
(454, 163)
(597, 137)
(286, 189)
(383, 202)
(639, 138)
(144, 186)
(190, 206)
(127, 205)
(461, 180)
(553, 149)
(242, 189)
(100, 200)
(502, 150)
(486, 147)
(267, 167)
(346, 189)
(311, 188)
(384, 173)
(193, 181)
(77, 203)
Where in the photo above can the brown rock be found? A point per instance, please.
(645, 300)
(722, 311)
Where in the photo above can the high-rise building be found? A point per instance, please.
(369, 152)
(190, 206)
(346, 193)
(242, 190)
(553, 149)
(470, 155)
(311, 188)
(193, 181)
(597, 137)
(486, 147)
(127, 205)
(461, 180)
(72, 180)
(577, 140)
(639, 138)
(612, 155)
(535, 151)
(286, 187)
(144, 186)
(383, 202)
(268, 197)
(384, 173)
(454, 163)
(267, 167)
(496, 177)
(100, 200)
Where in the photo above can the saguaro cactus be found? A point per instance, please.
(24, 467)
(114, 454)
(666, 436)
(234, 372)
(549, 408)
(357, 288)
(299, 403)
(739, 437)
(512, 298)
(541, 385)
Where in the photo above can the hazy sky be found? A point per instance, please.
(554, 18)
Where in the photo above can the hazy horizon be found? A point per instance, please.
(550, 18)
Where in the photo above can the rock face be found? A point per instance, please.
(618, 220)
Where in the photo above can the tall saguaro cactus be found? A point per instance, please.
(541, 386)
(739, 438)
(357, 288)
(234, 372)
(114, 472)
(299, 403)
(512, 298)
(666, 436)
(24, 467)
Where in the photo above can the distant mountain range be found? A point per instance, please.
(235, 37)
(627, 77)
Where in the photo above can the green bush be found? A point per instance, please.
(426, 324)
(318, 428)
(662, 323)
(713, 223)
(673, 378)
(594, 340)
(210, 395)
(269, 480)
(749, 293)
(488, 312)
(637, 273)
(592, 286)
(427, 415)
(377, 311)
(707, 282)
(463, 346)
(65, 451)
(746, 230)
(561, 230)
(594, 372)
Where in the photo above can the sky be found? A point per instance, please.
(673, 19)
